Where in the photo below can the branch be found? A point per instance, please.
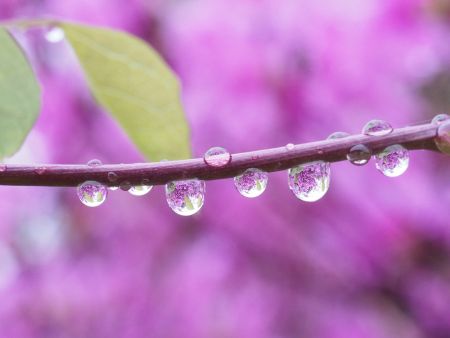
(275, 159)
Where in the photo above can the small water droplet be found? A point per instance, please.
(359, 154)
(217, 157)
(337, 135)
(441, 118)
(252, 182)
(125, 185)
(442, 139)
(392, 161)
(3, 167)
(290, 146)
(39, 170)
(377, 128)
(92, 193)
(94, 163)
(113, 188)
(140, 190)
(310, 181)
(185, 197)
(112, 176)
(54, 35)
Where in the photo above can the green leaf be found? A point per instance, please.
(136, 86)
(19, 95)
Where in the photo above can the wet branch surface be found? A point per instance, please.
(275, 159)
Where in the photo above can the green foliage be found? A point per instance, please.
(19, 96)
(135, 85)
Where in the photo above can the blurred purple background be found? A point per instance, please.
(371, 259)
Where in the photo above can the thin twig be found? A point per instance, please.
(275, 159)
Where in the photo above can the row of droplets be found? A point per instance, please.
(309, 182)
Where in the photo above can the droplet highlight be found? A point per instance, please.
(310, 182)
(392, 161)
(377, 128)
(337, 135)
(252, 182)
(217, 157)
(290, 146)
(54, 35)
(442, 139)
(3, 167)
(113, 188)
(185, 197)
(439, 119)
(92, 193)
(359, 155)
(94, 163)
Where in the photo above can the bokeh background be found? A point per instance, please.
(371, 259)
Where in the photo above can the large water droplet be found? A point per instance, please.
(94, 163)
(252, 182)
(392, 161)
(92, 193)
(442, 139)
(441, 118)
(140, 190)
(217, 157)
(185, 197)
(359, 154)
(309, 182)
(54, 35)
(337, 135)
(377, 128)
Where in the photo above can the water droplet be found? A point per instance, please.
(441, 118)
(217, 157)
(392, 161)
(39, 170)
(3, 167)
(112, 176)
(359, 154)
(94, 163)
(309, 182)
(54, 35)
(252, 182)
(290, 146)
(377, 128)
(442, 139)
(140, 190)
(185, 197)
(92, 193)
(125, 185)
(113, 188)
(337, 135)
